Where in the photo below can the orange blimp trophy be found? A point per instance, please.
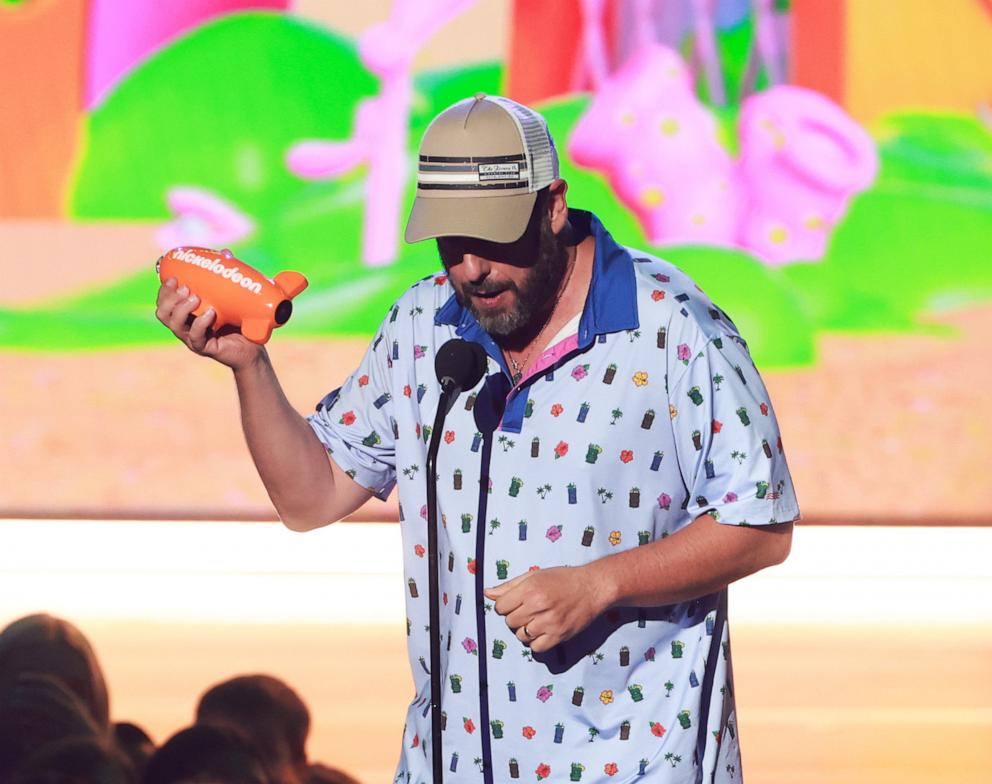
(240, 295)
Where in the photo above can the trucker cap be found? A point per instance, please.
(482, 162)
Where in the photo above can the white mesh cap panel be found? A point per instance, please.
(542, 157)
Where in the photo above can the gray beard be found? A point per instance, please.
(534, 295)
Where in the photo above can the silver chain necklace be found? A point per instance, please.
(518, 368)
(518, 371)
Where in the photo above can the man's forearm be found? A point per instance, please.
(700, 559)
(289, 458)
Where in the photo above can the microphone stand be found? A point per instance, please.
(459, 364)
(449, 391)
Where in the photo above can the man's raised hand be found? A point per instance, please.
(174, 308)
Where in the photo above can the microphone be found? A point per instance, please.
(459, 365)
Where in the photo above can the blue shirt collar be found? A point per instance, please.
(611, 305)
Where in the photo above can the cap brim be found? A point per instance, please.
(493, 218)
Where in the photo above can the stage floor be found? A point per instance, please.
(866, 657)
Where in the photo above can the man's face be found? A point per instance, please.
(507, 286)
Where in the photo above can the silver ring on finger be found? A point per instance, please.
(527, 633)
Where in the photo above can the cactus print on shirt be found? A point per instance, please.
(649, 416)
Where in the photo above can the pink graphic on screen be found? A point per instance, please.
(659, 148)
(122, 33)
(380, 128)
(592, 67)
(202, 218)
(704, 47)
(802, 159)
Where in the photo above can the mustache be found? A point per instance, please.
(470, 289)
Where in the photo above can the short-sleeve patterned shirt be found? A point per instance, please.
(651, 415)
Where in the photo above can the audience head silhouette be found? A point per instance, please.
(203, 754)
(135, 744)
(45, 644)
(267, 713)
(51, 689)
(78, 760)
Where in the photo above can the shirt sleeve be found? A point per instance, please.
(355, 421)
(727, 439)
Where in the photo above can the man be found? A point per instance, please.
(636, 470)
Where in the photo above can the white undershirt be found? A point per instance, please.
(571, 328)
